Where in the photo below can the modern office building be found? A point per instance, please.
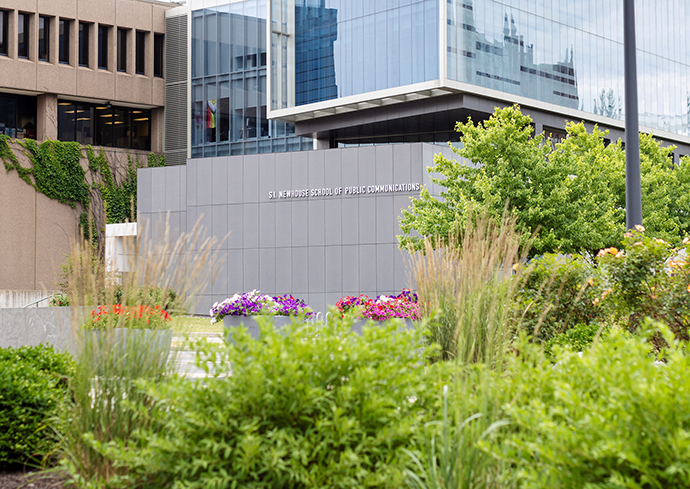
(374, 88)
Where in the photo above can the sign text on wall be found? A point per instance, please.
(335, 191)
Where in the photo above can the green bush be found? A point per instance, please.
(32, 387)
(304, 408)
(556, 294)
(613, 418)
(577, 339)
(648, 278)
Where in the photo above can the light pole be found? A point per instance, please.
(633, 191)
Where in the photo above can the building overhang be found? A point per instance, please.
(317, 118)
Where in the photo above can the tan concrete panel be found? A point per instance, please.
(23, 5)
(102, 11)
(60, 79)
(17, 73)
(133, 89)
(59, 8)
(135, 15)
(17, 232)
(56, 229)
(157, 130)
(158, 24)
(96, 84)
(158, 92)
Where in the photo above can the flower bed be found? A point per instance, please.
(384, 307)
(134, 317)
(256, 304)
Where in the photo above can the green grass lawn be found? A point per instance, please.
(195, 324)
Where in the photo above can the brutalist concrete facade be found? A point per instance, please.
(319, 224)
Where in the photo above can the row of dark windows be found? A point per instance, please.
(104, 125)
(64, 31)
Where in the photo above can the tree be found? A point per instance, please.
(574, 194)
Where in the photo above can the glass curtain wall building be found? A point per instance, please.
(566, 54)
(229, 73)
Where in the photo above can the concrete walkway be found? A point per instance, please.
(185, 359)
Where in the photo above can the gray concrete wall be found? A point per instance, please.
(21, 298)
(33, 326)
(318, 248)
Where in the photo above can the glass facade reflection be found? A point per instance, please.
(567, 53)
(570, 53)
(229, 84)
(349, 47)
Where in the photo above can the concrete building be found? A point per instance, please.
(377, 87)
(90, 71)
(83, 70)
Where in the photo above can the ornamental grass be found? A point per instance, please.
(108, 403)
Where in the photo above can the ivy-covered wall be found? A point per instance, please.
(67, 188)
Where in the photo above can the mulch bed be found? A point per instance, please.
(30, 480)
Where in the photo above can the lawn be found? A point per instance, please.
(195, 324)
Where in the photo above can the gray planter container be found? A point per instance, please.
(249, 322)
(357, 325)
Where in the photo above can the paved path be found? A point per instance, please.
(185, 359)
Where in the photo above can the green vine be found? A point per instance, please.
(57, 171)
(11, 161)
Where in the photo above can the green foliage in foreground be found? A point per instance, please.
(573, 193)
(614, 418)
(301, 409)
(32, 387)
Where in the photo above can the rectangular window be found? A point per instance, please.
(141, 53)
(83, 44)
(4, 14)
(63, 44)
(23, 36)
(158, 53)
(103, 47)
(122, 50)
(43, 38)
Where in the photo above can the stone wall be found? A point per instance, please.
(318, 247)
(21, 298)
(33, 326)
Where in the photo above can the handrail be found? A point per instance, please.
(39, 300)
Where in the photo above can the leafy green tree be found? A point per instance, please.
(573, 193)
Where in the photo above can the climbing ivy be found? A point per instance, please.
(11, 161)
(57, 171)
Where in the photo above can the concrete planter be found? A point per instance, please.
(135, 346)
(249, 322)
(357, 325)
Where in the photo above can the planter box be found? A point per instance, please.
(357, 325)
(127, 344)
(249, 322)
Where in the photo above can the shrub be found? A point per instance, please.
(300, 410)
(557, 292)
(613, 418)
(577, 338)
(32, 387)
(648, 278)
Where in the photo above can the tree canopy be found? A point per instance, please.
(572, 191)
